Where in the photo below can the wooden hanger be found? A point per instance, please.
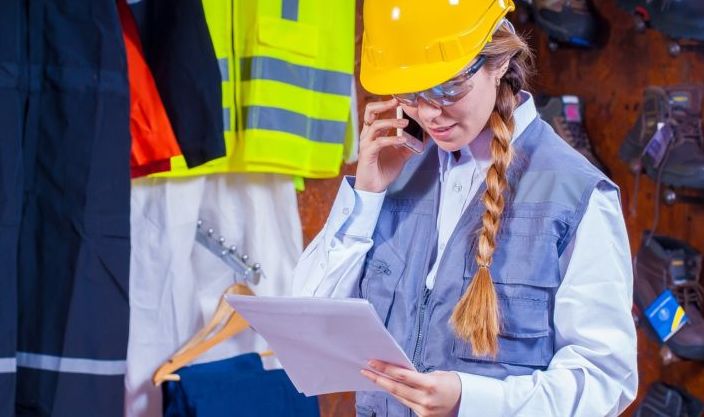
(214, 331)
(201, 343)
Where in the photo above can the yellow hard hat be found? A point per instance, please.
(413, 45)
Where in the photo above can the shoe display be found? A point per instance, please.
(566, 115)
(676, 160)
(678, 19)
(664, 263)
(574, 22)
(663, 400)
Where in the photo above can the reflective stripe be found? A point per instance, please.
(289, 9)
(324, 81)
(224, 72)
(270, 118)
(289, 97)
(70, 365)
(8, 365)
(226, 118)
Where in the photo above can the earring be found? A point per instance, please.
(498, 82)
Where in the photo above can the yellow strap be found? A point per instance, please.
(677, 320)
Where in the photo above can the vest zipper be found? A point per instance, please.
(421, 317)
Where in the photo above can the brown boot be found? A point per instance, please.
(566, 115)
(665, 263)
(681, 162)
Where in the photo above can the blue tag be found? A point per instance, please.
(658, 144)
(666, 315)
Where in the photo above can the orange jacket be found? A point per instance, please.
(153, 139)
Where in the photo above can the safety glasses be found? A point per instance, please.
(447, 93)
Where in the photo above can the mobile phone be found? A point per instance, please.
(413, 129)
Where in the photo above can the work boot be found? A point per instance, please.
(566, 115)
(664, 400)
(575, 22)
(664, 263)
(682, 154)
(678, 19)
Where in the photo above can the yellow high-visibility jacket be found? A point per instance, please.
(287, 75)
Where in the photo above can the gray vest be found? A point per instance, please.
(549, 189)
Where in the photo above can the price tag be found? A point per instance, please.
(570, 107)
(658, 144)
(666, 315)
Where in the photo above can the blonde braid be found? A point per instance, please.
(476, 316)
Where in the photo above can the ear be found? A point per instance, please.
(501, 71)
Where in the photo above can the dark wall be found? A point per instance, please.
(610, 82)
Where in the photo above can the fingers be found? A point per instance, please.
(406, 376)
(402, 392)
(435, 394)
(372, 110)
(372, 130)
(386, 141)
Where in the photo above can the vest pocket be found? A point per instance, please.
(293, 36)
(525, 272)
(382, 273)
(525, 338)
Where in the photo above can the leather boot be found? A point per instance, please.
(679, 19)
(664, 400)
(566, 115)
(678, 108)
(575, 22)
(665, 263)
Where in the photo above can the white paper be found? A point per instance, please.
(322, 343)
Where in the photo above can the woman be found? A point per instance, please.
(498, 257)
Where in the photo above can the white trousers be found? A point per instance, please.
(175, 283)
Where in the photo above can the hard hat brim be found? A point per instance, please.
(410, 79)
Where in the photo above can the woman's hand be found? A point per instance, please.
(436, 394)
(381, 158)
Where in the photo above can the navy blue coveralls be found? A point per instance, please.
(64, 209)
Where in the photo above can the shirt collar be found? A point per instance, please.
(524, 114)
(479, 150)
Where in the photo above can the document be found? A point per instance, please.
(322, 343)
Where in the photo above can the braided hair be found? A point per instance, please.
(476, 318)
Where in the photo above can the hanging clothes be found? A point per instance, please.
(351, 151)
(176, 283)
(178, 49)
(13, 97)
(287, 75)
(153, 140)
(236, 386)
(142, 170)
(66, 147)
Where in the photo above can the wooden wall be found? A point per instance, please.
(610, 81)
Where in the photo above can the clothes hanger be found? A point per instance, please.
(225, 322)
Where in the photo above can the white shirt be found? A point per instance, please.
(460, 178)
(594, 369)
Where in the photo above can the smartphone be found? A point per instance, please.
(416, 144)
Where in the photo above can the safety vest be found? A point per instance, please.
(287, 75)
